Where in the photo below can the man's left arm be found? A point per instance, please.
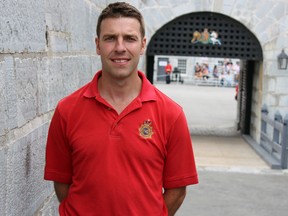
(174, 198)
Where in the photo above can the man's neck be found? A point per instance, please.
(119, 93)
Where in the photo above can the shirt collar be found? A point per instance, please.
(147, 92)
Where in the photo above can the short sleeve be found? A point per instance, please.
(58, 153)
(180, 167)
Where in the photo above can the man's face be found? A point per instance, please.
(120, 45)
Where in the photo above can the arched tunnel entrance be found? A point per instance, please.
(183, 37)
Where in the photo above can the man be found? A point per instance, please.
(118, 146)
(168, 71)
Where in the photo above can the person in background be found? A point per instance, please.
(168, 71)
(215, 72)
(236, 70)
(197, 71)
(117, 145)
(236, 91)
(205, 71)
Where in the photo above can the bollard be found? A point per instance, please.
(276, 132)
(284, 153)
(264, 111)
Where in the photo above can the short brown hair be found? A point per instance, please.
(120, 9)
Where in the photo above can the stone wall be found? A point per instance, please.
(255, 120)
(47, 51)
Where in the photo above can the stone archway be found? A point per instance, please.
(234, 41)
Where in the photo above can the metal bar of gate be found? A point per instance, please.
(284, 158)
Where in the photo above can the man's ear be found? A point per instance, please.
(143, 46)
(97, 45)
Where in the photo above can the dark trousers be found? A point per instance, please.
(168, 79)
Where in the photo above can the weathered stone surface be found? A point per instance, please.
(3, 170)
(2, 99)
(22, 25)
(26, 76)
(10, 93)
(83, 29)
(43, 86)
(25, 187)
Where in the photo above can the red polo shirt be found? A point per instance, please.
(168, 68)
(118, 164)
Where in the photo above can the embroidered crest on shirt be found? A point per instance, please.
(146, 130)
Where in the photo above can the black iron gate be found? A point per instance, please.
(234, 39)
(245, 95)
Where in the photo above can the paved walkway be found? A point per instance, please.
(209, 110)
(234, 180)
(237, 194)
(211, 115)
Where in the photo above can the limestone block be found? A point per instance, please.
(256, 81)
(277, 11)
(55, 89)
(271, 84)
(103, 3)
(255, 99)
(263, 9)
(271, 68)
(77, 72)
(95, 64)
(59, 42)
(281, 84)
(270, 100)
(263, 25)
(83, 26)
(243, 15)
(156, 18)
(3, 169)
(283, 100)
(227, 7)
(2, 99)
(169, 3)
(100, 4)
(184, 8)
(149, 3)
(282, 41)
(43, 86)
(65, 75)
(71, 73)
(3, 141)
(58, 15)
(50, 207)
(71, 25)
(142, 65)
(135, 3)
(84, 70)
(283, 22)
(27, 83)
(22, 26)
(10, 93)
(25, 162)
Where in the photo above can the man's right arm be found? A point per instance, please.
(61, 190)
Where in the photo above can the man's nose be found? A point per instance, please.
(120, 45)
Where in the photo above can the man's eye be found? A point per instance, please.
(131, 39)
(109, 38)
